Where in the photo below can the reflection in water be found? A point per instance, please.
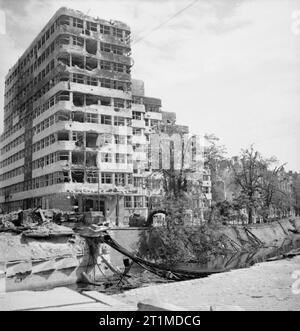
(220, 263)
(217, 263)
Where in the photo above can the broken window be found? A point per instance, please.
(105, 101)
(91, 46)
(105, 47)
(77, 78)
(63, 20)
(63, 136)
(78, 61)
(91, 99)
(105, 65)
(105, 82)
(106, 178)
(63, 77)
(106, 157)
(78, 99)
(138, 202)
(128, 202)
(77, 158)
(104, 139)
(137, 181)
(78, 138)
(91, 26)
(92, 176)
(117, 33)
(91, 118)
(106, 119)
(91, 139)
(119, 121)
(104, 29)
(91, 81)
(120, 158)
(64, 59)
(91, 159)
(91, 63)
(77, 23)
(77, 176)
(118, 85)
(136, 131)
(117, 49)
(63, 96)
(78, 117)
(63, 156)
(136, 115)
(63, 40)
(62, 117)
(119, 140)
(120, 179)
(118, 67)
(119, 103)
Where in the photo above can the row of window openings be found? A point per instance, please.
(88, 118)
(76, 61)
(119, 179)
(91, 140)
(64, 20)
(14, 158)
(61, 77)
(77, 78)
(89, 63)
(79, 99)
(77, 117)
(88, 159)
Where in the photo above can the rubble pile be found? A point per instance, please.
(39, 223)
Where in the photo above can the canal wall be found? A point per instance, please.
(33, 264)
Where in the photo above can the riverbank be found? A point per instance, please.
(264, 286)
(39, 263)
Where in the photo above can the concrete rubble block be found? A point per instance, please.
(18, 268)
(29, 300)
(43, 266)
(65, 263)
(154, 305)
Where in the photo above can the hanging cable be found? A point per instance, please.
(164, 22)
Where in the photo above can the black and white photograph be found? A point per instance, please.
(149, 159)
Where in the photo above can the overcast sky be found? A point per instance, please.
(226, 67)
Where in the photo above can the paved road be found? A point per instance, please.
(264, 286)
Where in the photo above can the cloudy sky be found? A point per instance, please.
(226, 67)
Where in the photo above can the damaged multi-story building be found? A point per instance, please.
(76, 126)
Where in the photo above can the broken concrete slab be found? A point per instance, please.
(155, 305)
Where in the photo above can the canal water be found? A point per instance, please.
(139, 277)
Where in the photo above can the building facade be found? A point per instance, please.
(76, 126)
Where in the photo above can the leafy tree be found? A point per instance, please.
(214, 154)
(249, 173)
